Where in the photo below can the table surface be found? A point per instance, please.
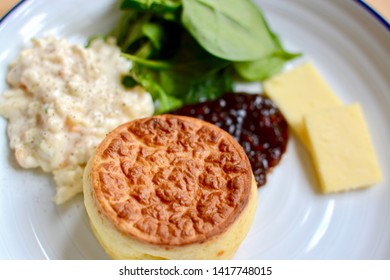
(381, 6)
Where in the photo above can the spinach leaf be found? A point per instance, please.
(192, 75)
(267, 66)
(210, 88)
(155, 33)
(229, 29)
(167, 9)
(170, 92)
(263, 68)
(150, 81)
(186, 51)
(191, 65)
(144, 35)
(155, 6)
(130, 39)
(152, 64)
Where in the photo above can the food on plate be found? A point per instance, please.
(189, 51)
(254, 121)
(64, 98)
(341, 148)
(170, 187)
(62, 101)
(298, 92)
(336, 136)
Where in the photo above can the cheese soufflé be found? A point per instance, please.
(170, 187)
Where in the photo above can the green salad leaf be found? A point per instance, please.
(167, 9)
(149, 79)
(230, 29)
(191, 75)
(267, 66)
(156, 6)
(188, 51)
(263, 68)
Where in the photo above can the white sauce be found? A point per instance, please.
(63, 100)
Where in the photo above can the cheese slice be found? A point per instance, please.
(341, 148)
(299, 92)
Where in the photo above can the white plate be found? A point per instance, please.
(348, 44)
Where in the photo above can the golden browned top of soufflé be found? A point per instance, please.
(170, 180)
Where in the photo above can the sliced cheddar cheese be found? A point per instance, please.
(341, 149)
(299, 92)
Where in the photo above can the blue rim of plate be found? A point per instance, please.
(11, 11)
(374, 13)
(363, 4)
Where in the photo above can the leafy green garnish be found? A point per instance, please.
(187, 51)
(263, 68)
(230, 29)
(149, 79)
(155, 6)
(267, 66)
(167, 9)
(190, 76)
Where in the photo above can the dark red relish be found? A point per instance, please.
(255, 122)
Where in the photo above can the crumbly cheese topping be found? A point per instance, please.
(63, 100)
